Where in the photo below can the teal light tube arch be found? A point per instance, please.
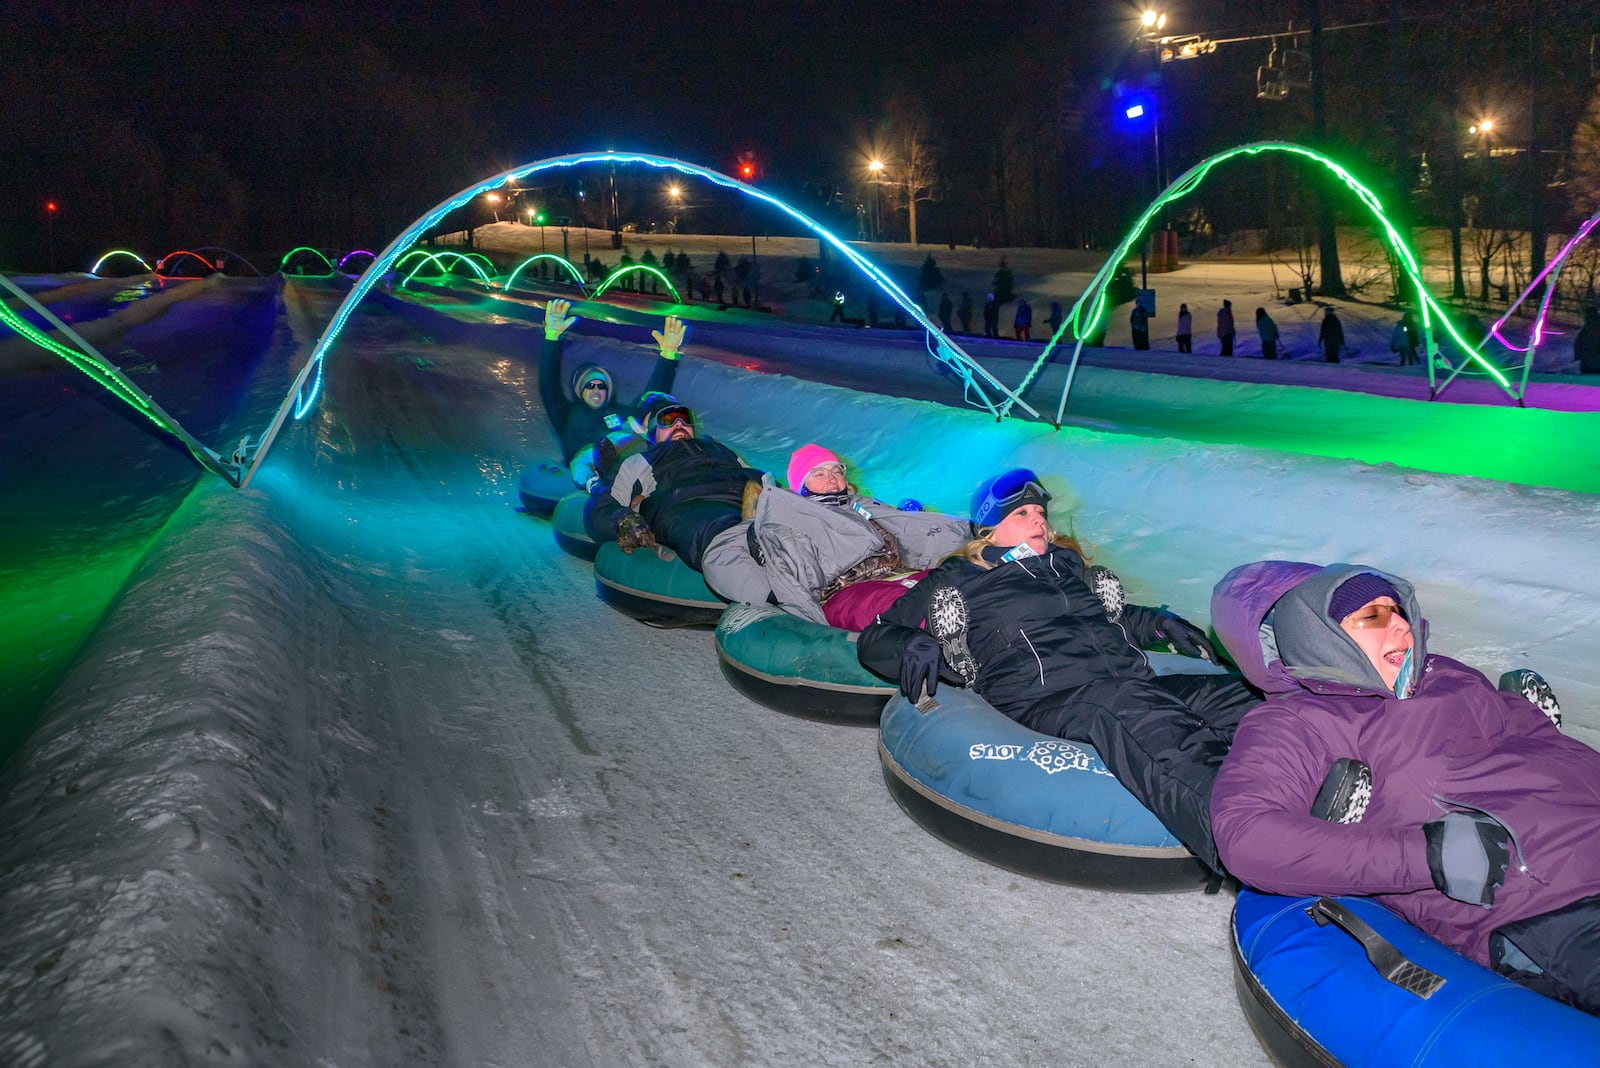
(1090, 308)
(308, 383)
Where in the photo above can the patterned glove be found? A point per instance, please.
(557, 319)
(1467, 856)
(671, 337)
(634, 533)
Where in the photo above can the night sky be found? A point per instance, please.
(265, 125)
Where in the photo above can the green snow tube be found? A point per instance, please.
(567, 522)
(796, 666)
(663, 592)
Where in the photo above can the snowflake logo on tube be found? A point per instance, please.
(1056, 755)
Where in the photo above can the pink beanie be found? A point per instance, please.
(804, 460)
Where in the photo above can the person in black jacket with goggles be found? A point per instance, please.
(1021, 618)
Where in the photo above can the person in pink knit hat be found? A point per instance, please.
(835, 556)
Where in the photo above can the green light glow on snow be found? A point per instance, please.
(437, 259)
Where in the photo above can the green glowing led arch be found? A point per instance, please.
(635, 268)
(308, 383)
(118, 252)
(577, 276)
(287, 256)
(1091, 307)
(438, 260)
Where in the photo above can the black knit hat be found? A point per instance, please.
(1356, 591)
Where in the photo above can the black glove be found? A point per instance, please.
(1467, 856)
(634, 533)
(919, 666)
(1185, 637)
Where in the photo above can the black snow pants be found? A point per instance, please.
(1560, 953)
(1163, 738)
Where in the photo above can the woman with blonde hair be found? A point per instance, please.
(1018, 616)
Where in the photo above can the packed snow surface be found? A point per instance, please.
(358, 771)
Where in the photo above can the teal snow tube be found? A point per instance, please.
(541, 486)
(796, 666)
(654, 587)
(567, 523)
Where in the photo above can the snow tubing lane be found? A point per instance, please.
(652, 590)
(796, 666)
(567, 523)
(1035, 804)
(1313, 998)
(542, 486)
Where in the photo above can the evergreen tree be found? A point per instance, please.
(721, 263)
(649, 260)
(930, 277)
(669, 263)
(1003, 282)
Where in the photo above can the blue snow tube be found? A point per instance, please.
(570, 532)
(541, 486)
(796, 666)
(658, 589)
(1030, 802)
(1314, 997)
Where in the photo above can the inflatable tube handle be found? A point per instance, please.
(1389, 961)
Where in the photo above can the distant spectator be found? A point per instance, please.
(1022, 322)
(1586, 346)
(1056, 318)
(1404, 340)
(1139, 321)
(1185, 335)
(964, 312)
(1269, 334)
(991, 318)
(946, 307)
(1225, 329)
(838, 307)
(716, 285)
(1331, 335)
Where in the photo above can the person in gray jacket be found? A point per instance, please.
(819, 536)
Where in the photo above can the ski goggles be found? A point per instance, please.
(674, 417)
(1008, 491)
(1374, 616)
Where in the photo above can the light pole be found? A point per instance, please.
(494, 201)
(876, 167)
(1151, 23)
(675, 195)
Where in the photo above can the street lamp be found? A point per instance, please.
(494, 199)
(876, 167)
(675, 195)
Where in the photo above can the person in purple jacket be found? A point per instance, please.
(1378, 768)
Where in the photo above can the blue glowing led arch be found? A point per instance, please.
(307, 385)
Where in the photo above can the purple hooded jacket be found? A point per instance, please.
(1456, 743)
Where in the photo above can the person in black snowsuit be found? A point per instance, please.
(588, 411)
(964, 313)
(1586, 346)
(686, 492)
(1019, 617)
(991, 317)
(1331, 335)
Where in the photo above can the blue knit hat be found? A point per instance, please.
(1356, 591)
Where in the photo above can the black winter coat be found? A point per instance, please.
(693, 490)
(1034, 626)
(576, 424)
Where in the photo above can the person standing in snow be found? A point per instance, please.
(991, 318)
(1586, 346)
(964, 312)
(1056, 318)
(1405, 775)
(591, 410)
(1185, 335)
(1021, 618)
(1331, 335)
(1268, 330)
(1022, 322)
(1404, 340)
(838, 307)
(1139, 323)
(1225, 327)
(945, 309)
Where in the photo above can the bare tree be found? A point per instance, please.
(1583, 162)
(912, 171)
